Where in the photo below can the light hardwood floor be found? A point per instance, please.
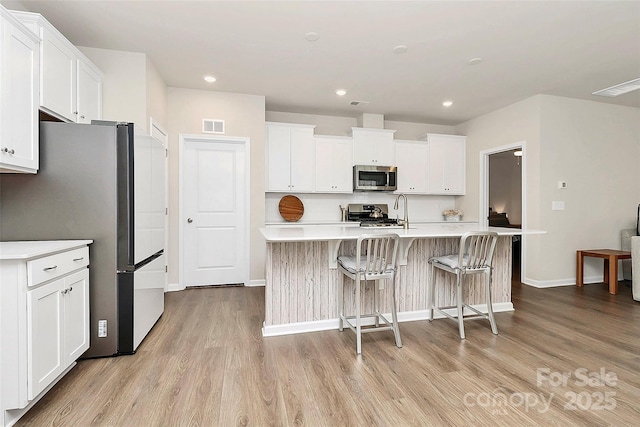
(206, 364)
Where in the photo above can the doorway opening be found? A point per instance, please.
(502, 195)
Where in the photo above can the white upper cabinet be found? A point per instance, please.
(373, 146)
(412, 160)
(71, 86)
(334, 164)
(19, 89)
(89, 91)
(446, 164)
(290, 157)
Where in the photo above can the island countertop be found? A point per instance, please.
(310, 233)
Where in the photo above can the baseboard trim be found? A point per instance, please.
(561, 282)
(332, 324)
(255, 283)
(175, 287)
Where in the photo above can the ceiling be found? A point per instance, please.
(567, 49)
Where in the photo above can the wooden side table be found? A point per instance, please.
(611, 258)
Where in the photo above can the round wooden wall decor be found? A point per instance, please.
(291, 208)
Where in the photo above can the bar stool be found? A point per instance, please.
(375, 259)
(474, 257)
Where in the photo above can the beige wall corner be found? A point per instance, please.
(244, 116)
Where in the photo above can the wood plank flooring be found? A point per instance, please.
(206, 364)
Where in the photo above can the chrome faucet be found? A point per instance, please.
(403, 222)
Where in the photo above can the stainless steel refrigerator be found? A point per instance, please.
(105, 182)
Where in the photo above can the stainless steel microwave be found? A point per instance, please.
(375, 178)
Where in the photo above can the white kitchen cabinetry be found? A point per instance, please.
(373, 146)
(446, 163)
(44, 318)
(19, 89)
(412, 160)
(334, 164)
(290, 157)
(70, 85)
(58, 328)
(89, 91)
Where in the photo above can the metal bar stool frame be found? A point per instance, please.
(474, 257)
(375, 259)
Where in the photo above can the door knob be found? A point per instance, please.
(189, 220)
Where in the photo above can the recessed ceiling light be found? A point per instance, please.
(209, 79)
(311, 36)
(341, 92)
(400, 49)
(619, 89)
(474, 61)
(447, 103)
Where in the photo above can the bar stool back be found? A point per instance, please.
(474, 257)
(376, 260)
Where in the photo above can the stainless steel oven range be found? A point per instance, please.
(371, 215)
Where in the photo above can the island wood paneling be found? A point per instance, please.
(300, 287)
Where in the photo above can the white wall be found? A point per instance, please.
(341, 126)
(244, 117)
(156, 95)
(320, 208)
(593, 146)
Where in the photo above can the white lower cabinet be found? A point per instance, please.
(57, 327)
(44, 318)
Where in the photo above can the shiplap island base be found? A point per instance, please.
(302, 279)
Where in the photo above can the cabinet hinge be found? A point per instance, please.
(166, 269)
(166, 152)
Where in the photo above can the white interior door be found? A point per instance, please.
(214, 211)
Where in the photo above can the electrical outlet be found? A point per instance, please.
(102, 328)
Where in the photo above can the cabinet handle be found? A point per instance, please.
(82, 117)
(64, 292)
(50, 268)
(71, 288)
(8, 151)
(78, 259)
(75, 112)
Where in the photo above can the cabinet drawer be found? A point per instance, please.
(42, 269)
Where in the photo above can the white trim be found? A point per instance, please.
(484, 195)
(246, 141)
(157, 131)
(256, 283)
(563, 282)
(332, 324)
(175, 287)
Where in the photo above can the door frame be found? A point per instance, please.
(484, 194)
(246, 142)
(158, 132)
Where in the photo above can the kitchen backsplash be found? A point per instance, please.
(325, 207)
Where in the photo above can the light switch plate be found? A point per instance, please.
(557, 206)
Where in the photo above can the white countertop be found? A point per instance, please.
(306, 233)
(34, 249)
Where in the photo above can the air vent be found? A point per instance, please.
(356, 103)
(212, 126)
(619, 89)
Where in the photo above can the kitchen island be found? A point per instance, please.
(302, 277)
